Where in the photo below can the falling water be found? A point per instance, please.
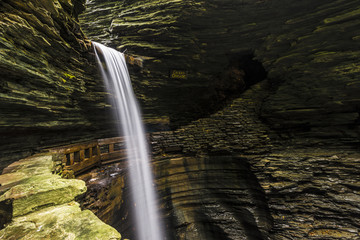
(117, 81)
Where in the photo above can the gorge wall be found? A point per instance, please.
(227, 177)
(298, 130)
(294, 136)
(308, 49)
(50, 92)
(311, 192)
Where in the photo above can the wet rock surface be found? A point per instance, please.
(30, 185)
(61, 222)
(310, 186)
(214, 197)
(105, 194)
(236, 128)
(205, 192)
(297, 132)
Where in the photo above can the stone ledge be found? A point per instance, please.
(41, 205)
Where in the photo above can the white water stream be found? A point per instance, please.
(117, 80)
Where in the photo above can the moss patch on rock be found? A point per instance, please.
(65, 221)
(42, 204)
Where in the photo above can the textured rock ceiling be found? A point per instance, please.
(309, 49)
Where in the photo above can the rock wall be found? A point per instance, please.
(50, 94)
(290, 129)
(312, 192)
(222, 177)
(308, 48)
(50, 91)
(211, 197)
(236, 128)
(310, 188)
(206, 191)
(229, 176)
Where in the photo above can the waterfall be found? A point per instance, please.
(117, 80)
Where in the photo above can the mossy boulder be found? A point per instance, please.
(30, 185)
(60, 222)
(42, 190)
(37, 204)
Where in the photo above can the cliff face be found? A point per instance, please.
(50, 92)
(308, 49)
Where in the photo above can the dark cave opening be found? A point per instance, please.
(241, 72)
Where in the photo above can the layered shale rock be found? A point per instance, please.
(223, 177)
(313, 193)
(213, 197)
(205, 192)
(309, 49)
(236, 128)
(196, 55)
(50, 92)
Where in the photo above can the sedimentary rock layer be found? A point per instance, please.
(309, 49)
(313, 193)
(208, 175)
(49, 89)
(213, 197)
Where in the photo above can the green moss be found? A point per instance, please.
(65, 221)
(69, 76)
(42, 190)
(342, 17)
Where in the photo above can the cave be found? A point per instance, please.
(250, 112)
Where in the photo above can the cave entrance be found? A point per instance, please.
(240, 72)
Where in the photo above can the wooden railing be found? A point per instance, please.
(112, 150)
(81, 157)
